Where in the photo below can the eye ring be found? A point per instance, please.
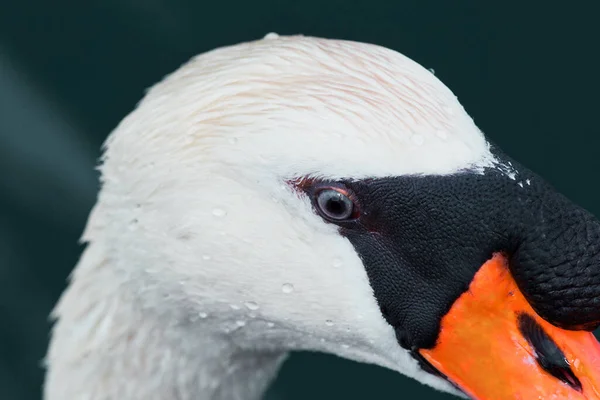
(335, 204)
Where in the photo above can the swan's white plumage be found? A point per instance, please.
(194, 223)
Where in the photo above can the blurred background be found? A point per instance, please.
(70, 71)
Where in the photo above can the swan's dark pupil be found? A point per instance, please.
(336, 207)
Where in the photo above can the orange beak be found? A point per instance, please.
(493, 346)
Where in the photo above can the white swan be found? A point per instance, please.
(206, 262)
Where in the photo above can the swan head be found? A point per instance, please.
(297, 193)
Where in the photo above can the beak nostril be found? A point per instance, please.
(548, 355)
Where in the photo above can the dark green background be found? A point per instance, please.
(69, 71)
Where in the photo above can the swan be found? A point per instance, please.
(300, 193)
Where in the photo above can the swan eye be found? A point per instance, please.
(335, 205)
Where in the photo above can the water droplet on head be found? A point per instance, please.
(287, 288)
(252, 305)
(206, 257)
(528, 181)
(337, 263)
(133, 225)
(442, 134)
(219, 212)
(270, 324)
(417, 139)
(202, 315)
(240, 323)
(329, 322)
(263, 159)
(407, 82)
(322, 340)
(432, 70)
(345, 346)
(234, 307)
(271, 35)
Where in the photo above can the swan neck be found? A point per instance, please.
(106, 345)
